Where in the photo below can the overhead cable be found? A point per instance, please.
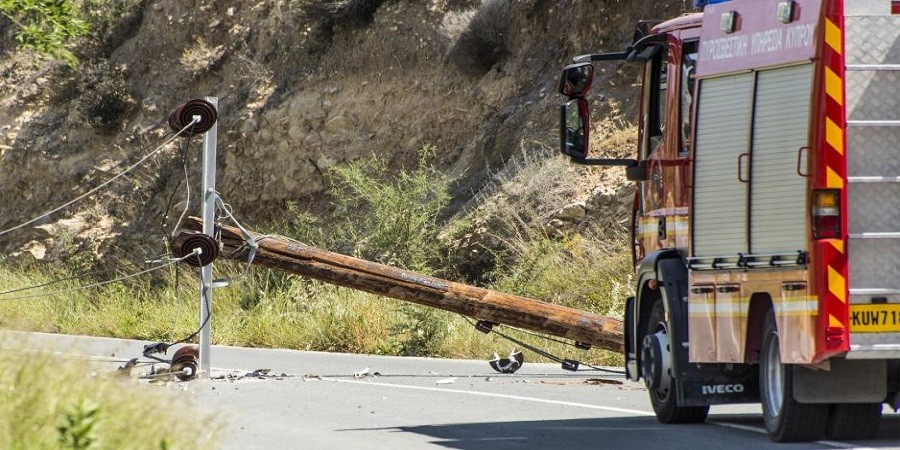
(103, 283)
(101, 185)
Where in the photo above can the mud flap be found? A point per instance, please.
(631, 371)
(712, 384)
(699, 384)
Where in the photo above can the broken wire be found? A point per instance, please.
(566, 363)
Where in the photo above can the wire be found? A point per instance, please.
(162, 346)
(102, 283)
(187, 185)
(101, 185)
(539, 351)
(249, 241)
(60, 280)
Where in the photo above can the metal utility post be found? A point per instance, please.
(209, 211)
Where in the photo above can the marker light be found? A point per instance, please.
(826, 214)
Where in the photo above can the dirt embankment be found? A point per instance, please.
(303, 85)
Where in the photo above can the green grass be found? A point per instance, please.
(390, 217)
(297, 314)
(48, 403)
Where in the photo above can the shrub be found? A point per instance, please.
(103, 101)
(399, 226)
(46, 26)
(201, 57)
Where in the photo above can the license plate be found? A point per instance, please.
(875, 318)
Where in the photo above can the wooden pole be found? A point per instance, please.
(482, 304)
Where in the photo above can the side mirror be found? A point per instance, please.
(574, 128)
(576, 79)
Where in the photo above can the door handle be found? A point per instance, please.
(741, 167)
(800, 152)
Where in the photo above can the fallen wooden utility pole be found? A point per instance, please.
(482, 304)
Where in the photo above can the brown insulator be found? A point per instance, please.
(184, 244)
(184, 114)
(185, 362)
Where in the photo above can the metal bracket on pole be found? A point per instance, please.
(209, 210)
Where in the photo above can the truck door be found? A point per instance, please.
(665, 143)
(653, 152)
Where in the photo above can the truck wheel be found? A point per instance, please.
(656, 368)
(853, 421)
(787, 420)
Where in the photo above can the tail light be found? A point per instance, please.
(826, 214)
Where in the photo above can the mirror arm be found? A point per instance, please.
(604, 161)
(615, 56)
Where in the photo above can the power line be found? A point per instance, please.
(60, 280)
(101, 185)
(103, 283)
(541, 352)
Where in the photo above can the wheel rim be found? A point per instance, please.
(774, 376)
(657, 363)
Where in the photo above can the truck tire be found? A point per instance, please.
(853, 421)
(786, 419)
(657, 372)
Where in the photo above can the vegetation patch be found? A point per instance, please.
(103, 97)
(49, 403)
(388, 217)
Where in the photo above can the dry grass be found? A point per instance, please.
(46, 403)
(201, 57)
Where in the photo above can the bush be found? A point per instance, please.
(399, 226)
(103, 101)
(201, 57)
(46, 26)
(484, 42)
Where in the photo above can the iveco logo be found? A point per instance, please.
(722, 389)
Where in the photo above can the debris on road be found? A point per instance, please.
(125, 370)
(508, 365)
(596, 381)
(446, 381)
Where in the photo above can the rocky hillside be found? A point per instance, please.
(303, 85)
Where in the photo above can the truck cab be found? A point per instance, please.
(761, 235)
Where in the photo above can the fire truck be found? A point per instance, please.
(766, 223)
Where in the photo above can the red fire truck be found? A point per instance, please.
(767, 219)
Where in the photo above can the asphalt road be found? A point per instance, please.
(312, 400)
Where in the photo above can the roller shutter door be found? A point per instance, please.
(777, 190)
(720, 199)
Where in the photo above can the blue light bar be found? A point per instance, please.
(702, 3)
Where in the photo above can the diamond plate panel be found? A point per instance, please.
(872, 95)
(874, 207)
(874, 264)
(872, 39)
(873, 151)
(867, 7)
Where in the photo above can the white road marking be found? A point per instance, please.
(575, 404)
(491, 394)
(636, 412)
